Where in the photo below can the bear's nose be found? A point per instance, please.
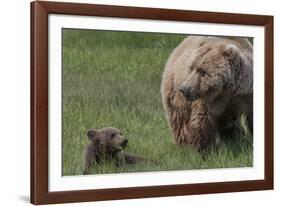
(124, 143)
(185, 90)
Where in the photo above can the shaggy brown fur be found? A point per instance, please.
(107, 143)
(207, 85)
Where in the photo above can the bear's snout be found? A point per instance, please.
(189, 93)
(124, 143)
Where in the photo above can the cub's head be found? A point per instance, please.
(211, 69)
(108, 139)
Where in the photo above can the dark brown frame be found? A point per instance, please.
(39, 102)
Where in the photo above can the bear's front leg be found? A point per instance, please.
(120, 159)
(249, 120)
(201, 128)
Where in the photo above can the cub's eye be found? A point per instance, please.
(112, 135)
(202, 72)
(121, 133)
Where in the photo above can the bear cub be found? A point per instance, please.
(107, 144)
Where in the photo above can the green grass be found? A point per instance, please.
(113, 79)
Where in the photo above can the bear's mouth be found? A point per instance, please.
(189, 94)
(121, 146)
(191, 97)
(124, 143)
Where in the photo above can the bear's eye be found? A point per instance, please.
(112, 135)
(202, 72)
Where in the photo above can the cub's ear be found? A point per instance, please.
(92, 133)
(230, 51)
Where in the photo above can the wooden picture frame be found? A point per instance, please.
(40, 106)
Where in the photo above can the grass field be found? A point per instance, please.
(113, 79)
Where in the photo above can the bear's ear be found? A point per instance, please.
(230, 51)
(92, 133)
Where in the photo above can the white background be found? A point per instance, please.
(14, 109)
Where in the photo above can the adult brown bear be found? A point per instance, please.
(207, 85)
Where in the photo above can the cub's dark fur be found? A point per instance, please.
(107, 143)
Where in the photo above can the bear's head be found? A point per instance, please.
(211, 70)
(108, 140)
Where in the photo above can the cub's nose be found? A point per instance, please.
(124, 143)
